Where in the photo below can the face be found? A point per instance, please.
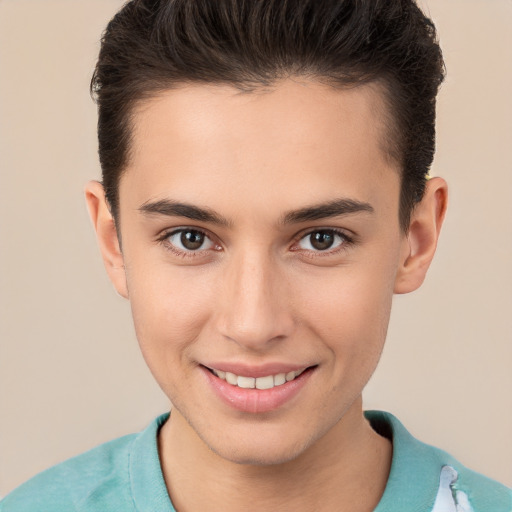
(261, 243)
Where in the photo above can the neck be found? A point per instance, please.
(347, 469)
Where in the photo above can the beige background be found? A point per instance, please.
(70, 372)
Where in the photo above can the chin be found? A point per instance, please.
(257, 455)
(259, 446)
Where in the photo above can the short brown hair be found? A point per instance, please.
(154, 45)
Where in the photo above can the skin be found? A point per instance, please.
(258, 291)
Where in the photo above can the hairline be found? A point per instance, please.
(389, 130)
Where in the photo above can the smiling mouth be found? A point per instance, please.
(266, 382)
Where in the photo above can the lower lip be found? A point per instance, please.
(257, 400)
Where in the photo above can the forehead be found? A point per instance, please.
(296, 136)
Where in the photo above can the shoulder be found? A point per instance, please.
(70, 484)
(426, 478)
(472, 491)
(96, 480)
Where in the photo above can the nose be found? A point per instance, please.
(254, 309)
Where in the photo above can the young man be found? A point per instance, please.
(264, 195)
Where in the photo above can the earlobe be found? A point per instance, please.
(106, 233)
(420, 243)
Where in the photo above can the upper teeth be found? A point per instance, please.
(266, 382)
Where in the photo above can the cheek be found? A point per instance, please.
(169, 307)
(350, 312)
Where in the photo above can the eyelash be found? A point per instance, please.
(347, 241)
(164, 240)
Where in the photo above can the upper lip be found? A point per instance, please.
(256, 371)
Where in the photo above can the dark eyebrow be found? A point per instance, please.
(334, 208)
(325, 210)
(172, 208)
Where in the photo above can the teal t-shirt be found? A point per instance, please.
(125, 476)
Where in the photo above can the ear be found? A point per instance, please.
(419, 245)
(106, 234)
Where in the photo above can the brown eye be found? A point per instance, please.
(190, 240)
(321, 240)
